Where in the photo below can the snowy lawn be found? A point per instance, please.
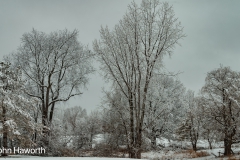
(59, 158)
(162, 155)
(165, 155)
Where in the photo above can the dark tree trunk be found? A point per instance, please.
(139, 143)
(45, 131)
(51, 113)
(194, 146)
(193, 139)
(210, 144)
(227, 147)
(153, 140)
(131, 146)
(34, 138)
(5, 129)
(12, 146)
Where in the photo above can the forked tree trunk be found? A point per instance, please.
(210, 144)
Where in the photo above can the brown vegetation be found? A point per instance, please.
(192, 154)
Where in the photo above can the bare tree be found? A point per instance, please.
(163, 108)
(74, 123)
(221, 95)
(132, 53)
(73, 118)
(93, 125)
(209, 129)
(55, 66)
(193, 118)
(190, 126)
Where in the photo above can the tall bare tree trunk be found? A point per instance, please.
(139, 143)
(132, 146)
(45, 131)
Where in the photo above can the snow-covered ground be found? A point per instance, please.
(213, 154)
(149, 155)
(61, 158)
(152, 155)
(169, 151)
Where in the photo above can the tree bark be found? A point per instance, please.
(139, 143)
(227, 147)
(5, 129)
(194, 146)
(153, 141)
(45, 130)
(210, 144)
(51, 113)
(132, 146)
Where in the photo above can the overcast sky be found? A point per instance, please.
(212, 29)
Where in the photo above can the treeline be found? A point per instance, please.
(180, 115)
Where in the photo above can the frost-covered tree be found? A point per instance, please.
(163, 107)
(73, 119)
(209, 129)
(131, 54)
(193, 119)
(17, 122)
(93, 125)
(190, 127)
(56, 67)
(221, 93)
(75, 127)
(115, 120)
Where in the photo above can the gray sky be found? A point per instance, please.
(212, 29)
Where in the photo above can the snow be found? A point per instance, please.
(62, 158)
(162, 154)
(183, 156)
(99, 138)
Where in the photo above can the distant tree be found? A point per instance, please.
(162, 109)
(73, 119)
(190, 127)
(183, 130)
(221, 93)
(131, 54)
(115, 118)
(74, 124)
(194, 119)
(209, 129)
(93, 125)
(55, 66)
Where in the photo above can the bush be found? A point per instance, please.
(67, 153)
(201, 154)
(103, 150)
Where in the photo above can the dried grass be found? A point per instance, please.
(68, 153)
(232, 158)
(192, 154)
